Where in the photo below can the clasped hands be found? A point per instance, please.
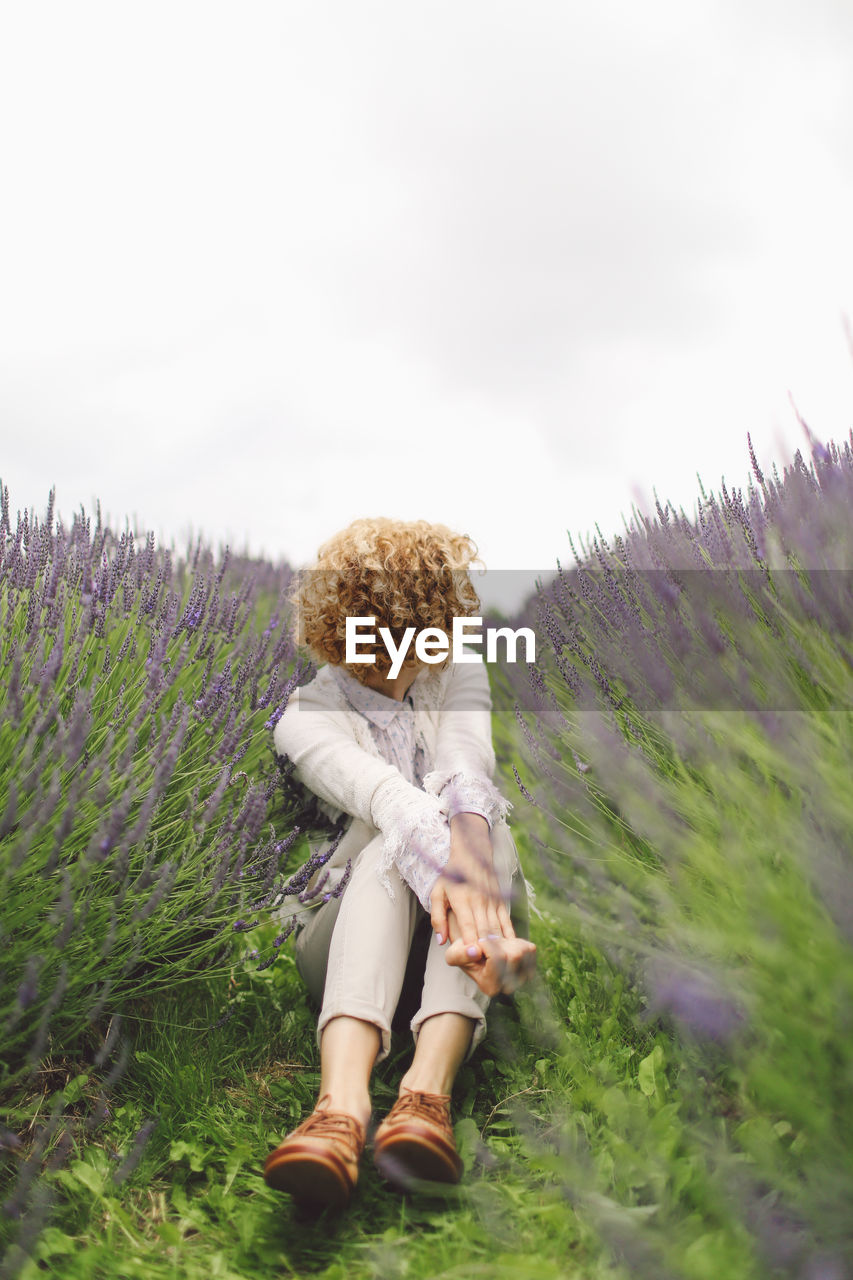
(468, 911)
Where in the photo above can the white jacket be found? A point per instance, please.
(335, 756)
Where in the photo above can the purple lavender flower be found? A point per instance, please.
(242, 926)
(698, 1002)
(28, 990)
(528, 797)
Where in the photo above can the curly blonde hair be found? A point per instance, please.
(403, 573)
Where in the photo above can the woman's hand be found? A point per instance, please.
(497, 965)
(467, 908)
(468, 886)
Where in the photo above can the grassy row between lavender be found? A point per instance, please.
(674, 1095)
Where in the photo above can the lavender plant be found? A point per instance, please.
(690, 727)
(136, 775)
(687, 736)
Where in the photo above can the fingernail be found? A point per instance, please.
(440, 937)
(472, 951)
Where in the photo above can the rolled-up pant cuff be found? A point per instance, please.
(476, 1015)
(364, 1011)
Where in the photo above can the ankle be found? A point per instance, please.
(356, 1104)
(426, 1082)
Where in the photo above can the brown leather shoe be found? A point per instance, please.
(318, 1161)
(415, 1141)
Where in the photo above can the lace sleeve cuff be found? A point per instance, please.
(467, 793)
(416, 832)
(417, 842)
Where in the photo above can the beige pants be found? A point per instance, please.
(353, 952)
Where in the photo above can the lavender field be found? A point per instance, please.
(671, 1098)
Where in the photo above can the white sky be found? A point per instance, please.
(266, 267)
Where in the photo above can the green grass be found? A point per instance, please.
(670, 1098)
(568, 1120)
(196, 1205)
(596, 1141)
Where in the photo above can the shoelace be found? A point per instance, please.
(337, 1125)
(430, 1106)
